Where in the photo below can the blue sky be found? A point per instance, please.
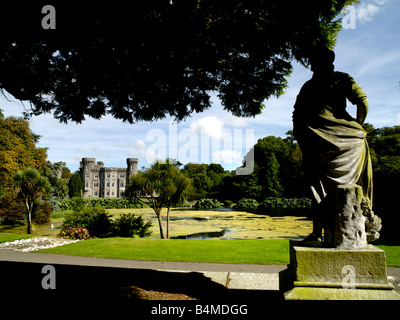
(370, 53)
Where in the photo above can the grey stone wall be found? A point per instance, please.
(104, 182)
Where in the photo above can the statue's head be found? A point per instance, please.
(321, 60)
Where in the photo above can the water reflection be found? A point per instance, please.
(204, 235)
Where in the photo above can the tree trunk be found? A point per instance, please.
(29, 208)
(162, 234)
(168, 222)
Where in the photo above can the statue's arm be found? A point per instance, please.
(362, 110)
(358, 97)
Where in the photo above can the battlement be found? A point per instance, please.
(105, 182)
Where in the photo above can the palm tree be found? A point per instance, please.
(31, 186)
(164, 186)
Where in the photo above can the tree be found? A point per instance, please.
(31, 186)
(273, 187)
(18, 151)
(54, 174)
(275, 170)
(145, 60)
(161, 186)
(75, 186)
(61, 188)
(384, 145)
(207, 179)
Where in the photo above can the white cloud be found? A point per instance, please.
(137, 144)
(366, 11)
(210, 126)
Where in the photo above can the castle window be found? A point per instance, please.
(113, 184)
(96, 176)
(108, 175)
(122, 176)
(107, 193)
(121, 184)
(108, 184)
(95, 184)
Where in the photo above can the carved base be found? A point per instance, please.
(325, 273)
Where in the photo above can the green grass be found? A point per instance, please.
(217, 251)
(392, 249)
(7, 237)
(261, 251)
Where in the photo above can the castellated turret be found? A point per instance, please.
(132, 166)
(104, 182)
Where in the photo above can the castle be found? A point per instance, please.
(102, 182)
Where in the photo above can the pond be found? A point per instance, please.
(204, 235)
(172, 218)
(218, 223)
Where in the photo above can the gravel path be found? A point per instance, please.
(32, 244)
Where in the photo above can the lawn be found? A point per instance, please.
(218, 251)
(271, 247)
(8, 237)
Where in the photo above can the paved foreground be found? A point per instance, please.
(98, 284)
(232, 276)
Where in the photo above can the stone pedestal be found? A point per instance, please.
(334, 274)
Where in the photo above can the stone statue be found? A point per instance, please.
(336, 158)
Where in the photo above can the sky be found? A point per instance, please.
(368, 48)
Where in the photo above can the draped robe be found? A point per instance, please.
(334, 146)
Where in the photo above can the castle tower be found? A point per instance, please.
(87, 163)
(86, 166)
(132, 166)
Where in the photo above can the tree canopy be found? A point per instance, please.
(162, 185)
(31, 186)
(144, 60)
(18, 150)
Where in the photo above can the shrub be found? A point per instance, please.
(54, 202)
(41, 212)
(64, 204)
(12, 210)
(285, 203)
(94, 219)
(228, 204)
(77, 204)
(247, 204)
(105, 203)
(130, 225)
(74, 233)
(118, 203)
(206, 203)
(99, 224)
